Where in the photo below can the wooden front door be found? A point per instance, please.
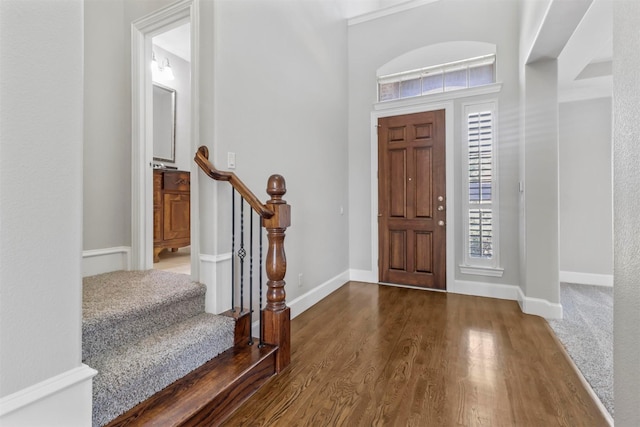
(412, 200)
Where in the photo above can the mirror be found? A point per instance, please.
(164, 123)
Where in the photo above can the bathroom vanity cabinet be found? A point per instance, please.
(171, 211)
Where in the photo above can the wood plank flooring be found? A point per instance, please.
(370, 355)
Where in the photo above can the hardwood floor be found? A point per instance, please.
(371, 355)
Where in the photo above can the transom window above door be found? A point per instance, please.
(472, 72)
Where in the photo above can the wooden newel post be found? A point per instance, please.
(276, 314)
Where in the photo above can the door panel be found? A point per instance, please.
(397, 134)
(423, 188)
(412, 199)
(398, 180)
(423, 131)
(424, 250)
(176, 216)
(397, 250)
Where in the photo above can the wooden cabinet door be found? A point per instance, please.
(176, 216)
(157, 206)
(157, 225)
(412, 199)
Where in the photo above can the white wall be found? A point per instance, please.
(280, 105)
(586, 223)
(540, 178)
(107, 128)
(182, 84)
(376, 42)
(107, 113)
(42, 379)
(41, 190)
(626, 196)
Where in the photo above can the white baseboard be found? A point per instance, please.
(539, 307)
(363, 276)
(528, 305)
(63, 400)
(586, 278)
(307, 300)
(482, 289)
(98, 261)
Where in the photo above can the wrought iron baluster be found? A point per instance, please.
(250, 274)
(241, 254)
(233, 249)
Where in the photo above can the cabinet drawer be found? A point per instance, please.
(177, 181)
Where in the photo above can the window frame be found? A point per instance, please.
(476, 265)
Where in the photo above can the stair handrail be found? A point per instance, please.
(202, 159)
(276, 218)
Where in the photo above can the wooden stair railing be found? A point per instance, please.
(276, 217)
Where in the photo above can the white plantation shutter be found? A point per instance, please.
(480, 137)
(480, 243)
(480, 160)
(480, 233)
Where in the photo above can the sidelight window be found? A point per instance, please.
(480, 204)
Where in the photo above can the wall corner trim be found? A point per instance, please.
(33, 395)
(539, 307)
(215, 275)
(363, 276)
(215, 258)
(98, 261)
(390, 10)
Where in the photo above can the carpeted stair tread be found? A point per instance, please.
(124, 306)
(130, 374)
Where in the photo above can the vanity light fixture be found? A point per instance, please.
(161, 71)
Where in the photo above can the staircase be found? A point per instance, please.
(162, 360)
(142, 331)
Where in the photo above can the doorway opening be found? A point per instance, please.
(172, 155)
(164, 138)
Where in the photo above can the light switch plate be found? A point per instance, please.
(231, 160)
